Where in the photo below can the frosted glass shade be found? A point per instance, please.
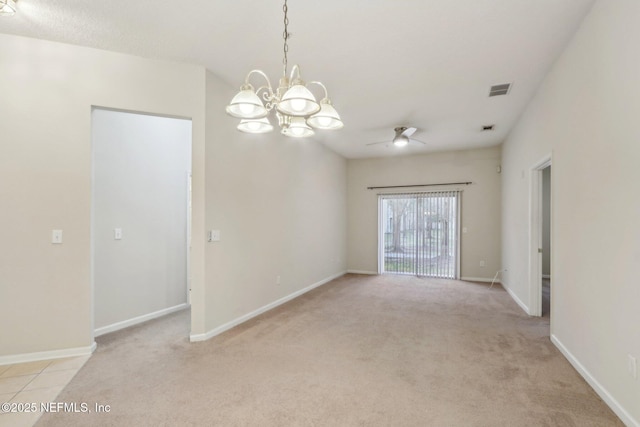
(400, 141)
(246, 105)
(255, 125)
(298, 101)
(7, 7)
(326, 118)
(298, 128)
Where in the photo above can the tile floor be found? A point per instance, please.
(34, 382)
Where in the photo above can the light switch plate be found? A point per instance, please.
(214, 235)
(117, 233)
(56, 237)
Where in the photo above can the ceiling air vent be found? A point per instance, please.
(497, 90)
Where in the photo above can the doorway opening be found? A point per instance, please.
(546, 242)
(419, 234)
(141, 218)
(540, 242)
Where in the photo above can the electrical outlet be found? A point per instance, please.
(482, 263)
(633, 366)
(278, 280)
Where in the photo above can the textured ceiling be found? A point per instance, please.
(421, 63)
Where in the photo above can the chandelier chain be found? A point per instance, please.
(285, 36)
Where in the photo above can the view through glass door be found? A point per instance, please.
(419, 234)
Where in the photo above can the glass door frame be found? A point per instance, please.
(381, 225)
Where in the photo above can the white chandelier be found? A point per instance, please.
(297, 110)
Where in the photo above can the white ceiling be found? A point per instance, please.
(421, 63)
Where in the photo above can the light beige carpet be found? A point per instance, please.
(359, 351)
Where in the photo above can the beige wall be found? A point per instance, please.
(280, 204)
(46, 93)
(586, 115)
(480, 203)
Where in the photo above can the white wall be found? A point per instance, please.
(280, 204)
(140, 169)
(586, 115)
(47, 90)
(480, 212)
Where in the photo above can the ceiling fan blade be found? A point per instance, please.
(376, 143)
(418, 141)
(408, 131)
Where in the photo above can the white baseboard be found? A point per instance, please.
(130, 322)
(615, 406)
(362, 272)
(480, 279)
(516, 299)
(226, 326)
(46, 355)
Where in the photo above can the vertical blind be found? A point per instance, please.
(419, 233)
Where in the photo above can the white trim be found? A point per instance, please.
(458, 233)
(480, 279)
(189, 208)
(535, 235)
(226, 326)
(46, 355)
(130, 322)
(380, 244)
(458, 225)
(362, 272)
(516, 299)
(615, 406)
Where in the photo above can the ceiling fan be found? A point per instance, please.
(402, 137)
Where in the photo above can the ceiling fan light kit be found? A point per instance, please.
(296, 109)
(402, 137)
(400, 141)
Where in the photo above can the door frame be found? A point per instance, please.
(535, 234)
(188, 207)
(189, 228)
(380, 248)
(458, 214)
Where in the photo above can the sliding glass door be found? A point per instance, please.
(418, 234)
